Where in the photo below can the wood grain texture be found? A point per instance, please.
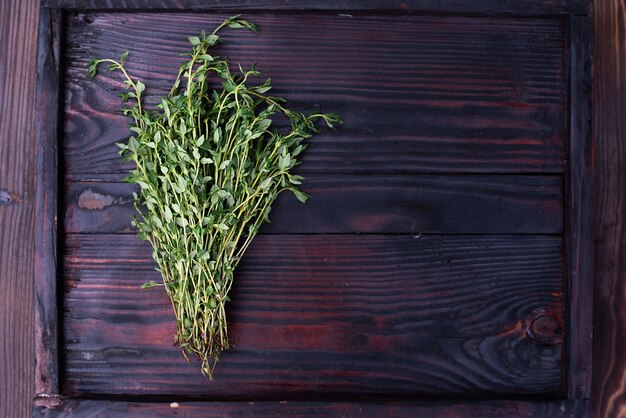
(394, 317)
(329, 315)
(18, 46)
(609, 366)
(437, 94)
(45, 256)
(524, 7)
(360, 409)
(365, 204)
(579, 210)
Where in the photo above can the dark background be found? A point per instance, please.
(18, 46)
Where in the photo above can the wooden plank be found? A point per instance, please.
(18, 49)
(609, 109)
(417, 94)
(579, 229)
(46, 321)
(365, 204)
(339, 315)
(524, 7)
(362, 409)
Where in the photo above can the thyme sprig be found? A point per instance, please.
(209, 163)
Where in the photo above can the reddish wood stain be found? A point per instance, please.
(439, 257)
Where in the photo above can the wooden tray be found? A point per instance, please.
(442, 268)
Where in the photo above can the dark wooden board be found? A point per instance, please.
(609, 218)
(524, 7)
(45, 244)
(437, 94)
(365, 204)
(328, 315)
(446, 118)
(361, 409)
(578, 206)
(18, 51)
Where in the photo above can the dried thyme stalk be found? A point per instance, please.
(209, 164)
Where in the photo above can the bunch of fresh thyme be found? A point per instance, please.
(209, 163)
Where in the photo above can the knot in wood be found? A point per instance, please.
(546, 329)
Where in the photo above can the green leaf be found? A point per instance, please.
(157, 221)
(194, 40)
(200, 141)
(223, 194)
(266, 183)
(166, 108)
(298, 150)
(284, 161)
(264, 124)
(140, 86)
(204, 256)
(133, 144)
(142, 184)
(234, 22)
(221, 226)
(301, 196)
(168, 214)
(236, 25)
(123, 57)
(181, 222)
(148, 285)
(250, 25)
(93, 68)
(295, 180)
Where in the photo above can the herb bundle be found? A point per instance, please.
(209, 163)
